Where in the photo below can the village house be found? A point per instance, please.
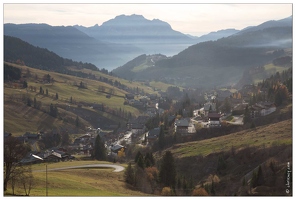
(139, 120)
(262, 109)
(153, 135)
(116, 148)
(208, 107)
(181, 126)
(214, 120)
(138, 129)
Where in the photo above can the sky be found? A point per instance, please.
(189, 18)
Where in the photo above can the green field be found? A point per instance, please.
(78, 182)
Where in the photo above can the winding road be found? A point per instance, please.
(117, 168)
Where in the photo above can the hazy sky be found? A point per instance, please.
(194, 19)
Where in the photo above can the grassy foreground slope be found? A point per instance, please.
(78, 182)
(229, 161)
(266, 136)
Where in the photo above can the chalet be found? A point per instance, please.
(139, 120)
(138, 129)
(214, 119)
(116, 148)
(255, 111)
(262, 109)
(56, 156)
(209, 107)
(29, 159)
(181, 126)
(269, 108)
(153, 135)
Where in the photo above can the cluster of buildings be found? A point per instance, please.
(146, 103)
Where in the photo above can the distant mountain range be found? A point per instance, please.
(220, 62)
(110, 45)
(167, 55)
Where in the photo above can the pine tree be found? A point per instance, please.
(167, 173)
(137, 156)
(99, 151)
(129, 174)
(140, 162)
(77, 121)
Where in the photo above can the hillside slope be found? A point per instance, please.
(228, 161)
(72, 101)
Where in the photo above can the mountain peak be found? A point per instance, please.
(133, 16)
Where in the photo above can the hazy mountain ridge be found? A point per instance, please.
(134, 29)
(214, 35)
(66, 41)
(239, 50)
(37, 57)
(204, 64)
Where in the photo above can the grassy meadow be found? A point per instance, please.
(77, 182)
(266, 136)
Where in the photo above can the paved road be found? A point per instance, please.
(116, 167)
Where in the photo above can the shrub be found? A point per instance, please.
(200, 192)
(166, 191)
